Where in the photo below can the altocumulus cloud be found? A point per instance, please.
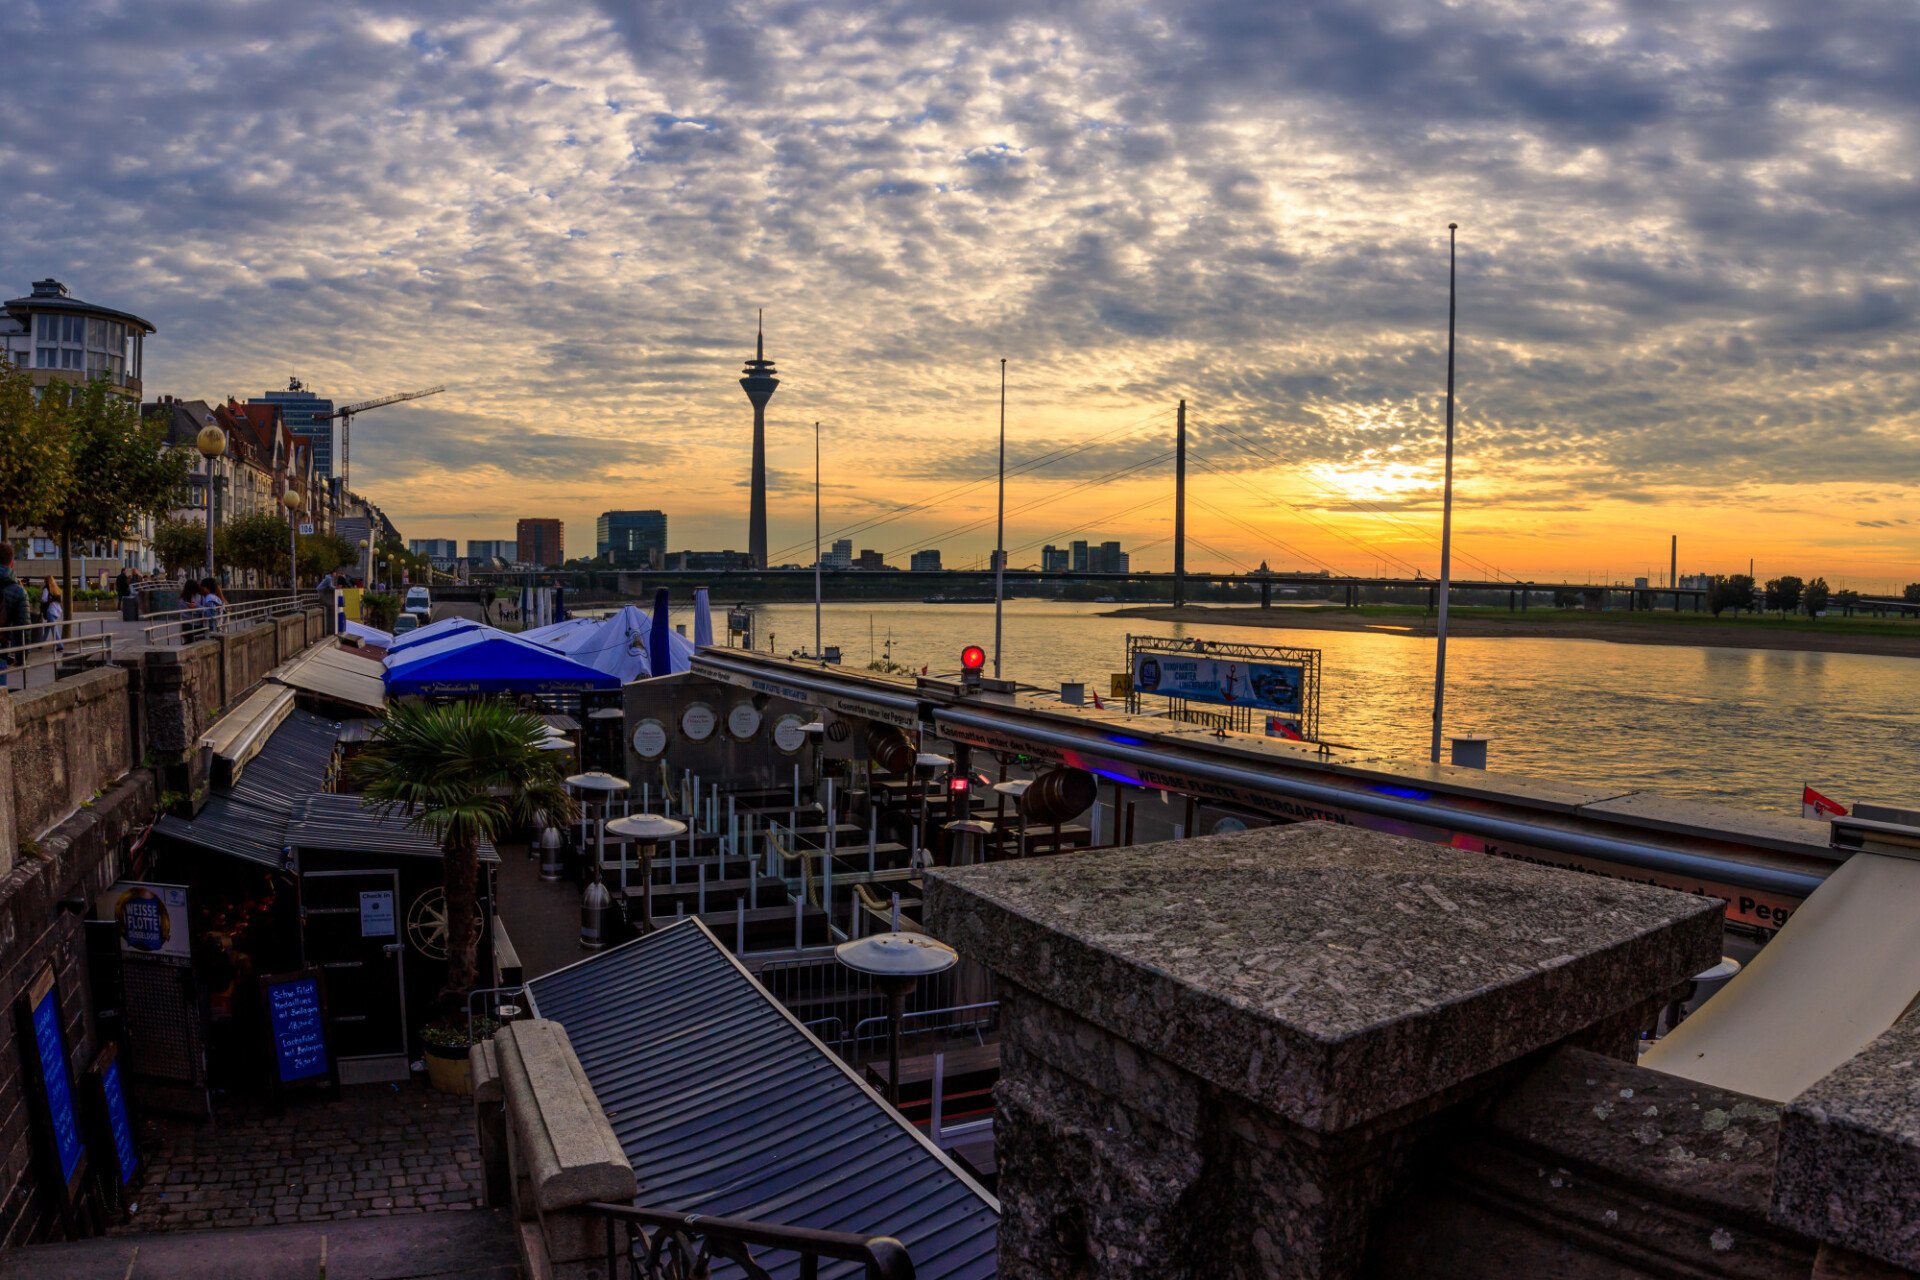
(1688, 256)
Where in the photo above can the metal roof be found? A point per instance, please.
(726, 1105)
(330, 672)
(249, 821)
(338, 824)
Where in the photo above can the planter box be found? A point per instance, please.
(449, 1070)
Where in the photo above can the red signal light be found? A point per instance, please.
(958, 783)
(973, 657)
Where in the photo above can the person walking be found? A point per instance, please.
(14, 617)
(122, 584)
(52, 613)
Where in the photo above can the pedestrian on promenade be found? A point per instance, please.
(52, 613)
(14, 618)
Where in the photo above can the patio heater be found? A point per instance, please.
(649, 828)
(589, 784)
(896, 962)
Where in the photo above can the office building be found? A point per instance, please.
(1079, 563)
(924, 562)
(1053, 559)
(60, 337)
(1112, 559)
(841, 557)
(434, 548)
(631, 539)
(308, 416)
(872, 560)
(539, 542)
(487, 550)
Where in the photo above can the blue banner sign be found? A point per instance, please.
(1229, 682)
(299, 1040)
(53, 1070)
(124, 1150)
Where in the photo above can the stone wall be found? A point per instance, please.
(71, 740)
(76, 862)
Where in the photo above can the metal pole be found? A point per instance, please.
(896, 1010)
(1446, 520)
(1000, 528)
(1180, 508)
(209, 517)
(818, 652)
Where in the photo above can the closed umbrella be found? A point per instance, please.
(659, 649)
(702, 620)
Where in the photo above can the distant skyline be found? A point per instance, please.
(1689, 298)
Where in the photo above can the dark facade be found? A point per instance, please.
(540, 542)
(759, 384)
(631, 539)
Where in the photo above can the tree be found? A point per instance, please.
(1912, 592)
(1848, 600)
(180, 544)
(379, 609)
(257, 541)
(33, 447)
(1817, 596)
(461, 773)
(1730, 592)
(119, 471)
(1783, 593)
(322, 553)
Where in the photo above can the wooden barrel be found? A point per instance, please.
(891, 749)
(1059, 795)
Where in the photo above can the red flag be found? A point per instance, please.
(923, 671)
(1815, 805)
(1278, 728)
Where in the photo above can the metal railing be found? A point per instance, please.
(57, 648)
(184, 626)
(827, 997)
(660, 1245)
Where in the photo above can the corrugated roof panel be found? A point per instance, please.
(340, 824)
(249, 821)
(728, 1106)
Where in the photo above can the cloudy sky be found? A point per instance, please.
(1687, 262)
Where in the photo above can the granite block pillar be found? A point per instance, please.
(1219, 1054)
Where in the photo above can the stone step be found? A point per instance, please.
(455, 1245)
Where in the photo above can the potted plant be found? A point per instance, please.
(446, 1043)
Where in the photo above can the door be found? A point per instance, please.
(353, 933)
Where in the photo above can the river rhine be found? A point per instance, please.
(1739, 726)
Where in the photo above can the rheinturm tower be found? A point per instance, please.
(759, 384)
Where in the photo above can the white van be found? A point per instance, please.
(418, 601)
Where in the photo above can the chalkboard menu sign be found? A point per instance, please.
(296, 1018)
(119, 1126)
(49, 1058)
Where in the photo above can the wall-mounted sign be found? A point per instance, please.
(297, 1022)
(649, 738)
(743, 721)
(151, 919)
(376, 914)
(48, 1061)
(789, 733)
(698, 722)
(1228, 682)
(306, 528)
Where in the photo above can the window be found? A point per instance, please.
(73, 329)
(49, 327)
(97, 334)
(49, 358)
(71, 359)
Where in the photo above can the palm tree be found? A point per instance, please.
(461, 773)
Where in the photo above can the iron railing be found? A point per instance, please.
(659, 1245)
(850, 1016)
(66, 647)
(184, 626)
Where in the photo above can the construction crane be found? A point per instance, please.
(345, 414)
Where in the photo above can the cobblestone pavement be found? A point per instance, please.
(377, 1151)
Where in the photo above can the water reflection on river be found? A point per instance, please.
(1741, 726)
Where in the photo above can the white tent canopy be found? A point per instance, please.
(616, 644)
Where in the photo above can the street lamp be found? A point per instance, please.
(291, 501)
(211, 442)
(367, 584)
(896, 962)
